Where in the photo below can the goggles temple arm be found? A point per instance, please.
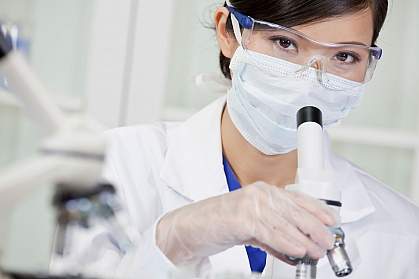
(238, 20)
(236, 29)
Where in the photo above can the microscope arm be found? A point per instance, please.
(28, 89)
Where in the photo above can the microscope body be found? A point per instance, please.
(316, 180)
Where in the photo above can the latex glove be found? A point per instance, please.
(278, 221)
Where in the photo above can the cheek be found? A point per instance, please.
(258, 44)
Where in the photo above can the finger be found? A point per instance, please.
(279, 242)
(312, 249)
(310, 226)
(282, 207)
(285, 259)
(301, 218)
(275, 254)
(283, 227)
(315, 207)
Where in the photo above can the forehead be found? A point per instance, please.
(357, 27)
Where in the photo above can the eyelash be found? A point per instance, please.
(352, 54)
(278, 39)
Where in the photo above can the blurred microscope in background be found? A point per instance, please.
(70, 160)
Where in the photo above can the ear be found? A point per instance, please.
(226, 40)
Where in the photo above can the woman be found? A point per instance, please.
(210, 194)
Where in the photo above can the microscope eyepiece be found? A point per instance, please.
(309, 114)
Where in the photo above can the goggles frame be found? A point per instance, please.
(248, 22)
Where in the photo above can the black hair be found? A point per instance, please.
(299, 12)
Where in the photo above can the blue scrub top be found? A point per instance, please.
(257, 257)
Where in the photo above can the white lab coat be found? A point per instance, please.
(164, 166)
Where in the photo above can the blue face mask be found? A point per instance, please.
(267, 93)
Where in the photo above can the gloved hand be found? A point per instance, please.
(278, 221)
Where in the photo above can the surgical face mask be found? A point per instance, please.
(267, 93)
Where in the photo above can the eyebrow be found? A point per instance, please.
(353, 43)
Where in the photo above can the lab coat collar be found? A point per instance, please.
(193, 165)
(356, 202)
(194, 161)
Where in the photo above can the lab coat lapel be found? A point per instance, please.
(194, 169)
(356, 203)
(193, 165)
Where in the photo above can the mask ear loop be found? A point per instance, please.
(236, 29)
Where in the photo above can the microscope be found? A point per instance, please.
(314, 180)
(70, 160)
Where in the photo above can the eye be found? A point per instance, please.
(347, 57)
(285, 43)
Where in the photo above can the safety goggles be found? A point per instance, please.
(349, 61)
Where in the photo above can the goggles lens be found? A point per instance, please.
(349, 61)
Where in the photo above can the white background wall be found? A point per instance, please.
(389, 110)
(135, 61)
